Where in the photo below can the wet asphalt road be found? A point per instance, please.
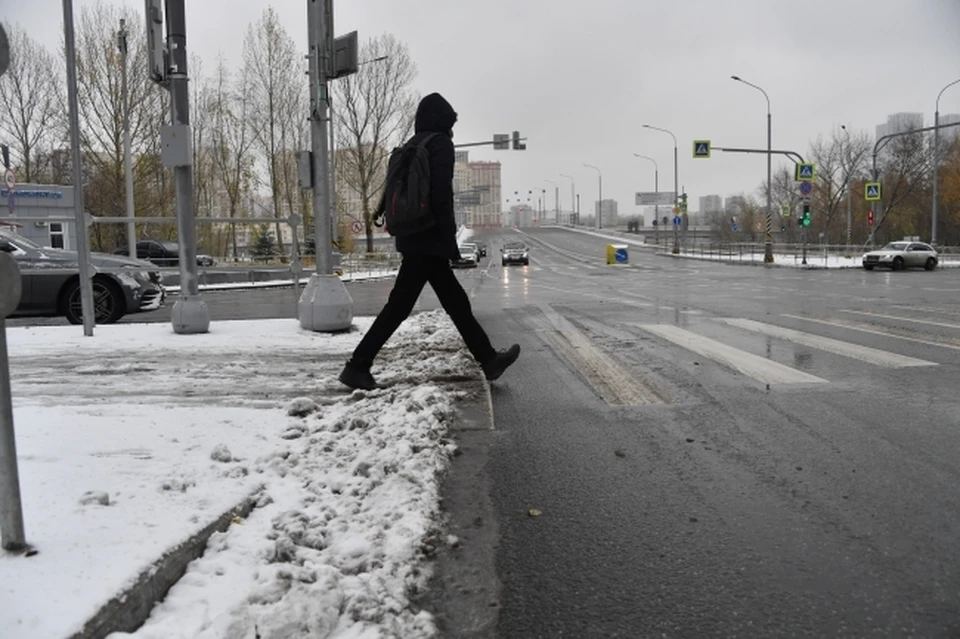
(715, 450)
(686, 497)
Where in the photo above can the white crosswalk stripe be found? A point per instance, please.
(874, 330)
(855, 351)
(902, 319)
(759, 368)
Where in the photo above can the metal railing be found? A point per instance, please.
(811, 255)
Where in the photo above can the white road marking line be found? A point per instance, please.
(924, 309)
(903, 319)
(855, 351)
(758, 368)
(618, 385)
(864, 329)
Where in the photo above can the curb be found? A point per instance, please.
(464, 592)
(130, 609)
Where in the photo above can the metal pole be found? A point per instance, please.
(319, 145)
(190, 313)
(599, 223)
(572, 195)
(768, 246)
(849, 198)
(83, 237)
(127, 161)
(12, 532)
(936, 165)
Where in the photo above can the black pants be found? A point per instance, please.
(415, 271)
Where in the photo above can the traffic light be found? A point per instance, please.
(806, 215)
(870, 218)
(517, 144)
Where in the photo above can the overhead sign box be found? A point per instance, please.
(656, 198)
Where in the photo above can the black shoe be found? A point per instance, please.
(494, 368)
(357, 376)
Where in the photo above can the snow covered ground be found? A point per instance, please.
(815, 259)
(135, 439)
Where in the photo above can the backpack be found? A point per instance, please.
(405, 204)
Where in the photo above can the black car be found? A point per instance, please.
(51, 283)
(514, 253)
(163, 253)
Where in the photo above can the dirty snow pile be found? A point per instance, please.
(135, 439)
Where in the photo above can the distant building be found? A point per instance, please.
(711, 204)
(734, 205)
(609, 215)
(900, 122)
(947, 136)
(484, 210)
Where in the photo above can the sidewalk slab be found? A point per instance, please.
(137, 445)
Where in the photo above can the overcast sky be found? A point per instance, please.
(579, 79)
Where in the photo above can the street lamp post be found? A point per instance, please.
(768, 245)
(676, 181)
(573, 189)
(127, 161)
(936, 164)
(600, 201)
(656, 187)
(556, 201)
(849, 195)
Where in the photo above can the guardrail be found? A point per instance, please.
(811, 255)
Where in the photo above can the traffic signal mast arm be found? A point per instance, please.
(882, 142)
(791, 154)
(489, 142)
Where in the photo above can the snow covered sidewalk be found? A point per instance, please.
(136, 439)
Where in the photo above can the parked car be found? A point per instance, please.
(468, 257)
(901, 255)
(163, 253)
(51, 283)
(514, 253)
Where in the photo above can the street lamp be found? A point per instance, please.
(127, 162)
(556, 201)
(656, 185)
(849, 192)
(676, 179)
(768, 245)
(600, 201)
(936, 164)
(573, 190)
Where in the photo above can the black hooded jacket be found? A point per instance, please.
(435, 115)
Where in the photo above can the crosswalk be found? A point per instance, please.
(768, 353)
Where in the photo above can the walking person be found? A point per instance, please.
(426, 258)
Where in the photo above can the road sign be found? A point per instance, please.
(655, 198)
(356, 226)
(806, 188)
(655, 221)
(501, 141)
(734, 228)
(676, 209)
(806, 172)
(872, 192)
(677, 220)
(701, 148)
(9, 178)
(785, 209)
(683, 206)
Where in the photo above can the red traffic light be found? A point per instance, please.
(870, 218)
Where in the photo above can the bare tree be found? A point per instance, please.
(28, 99)
(233, 139)
(373, 112)
(839, 158)
(274, 70)
(904, 172)
(99, 68)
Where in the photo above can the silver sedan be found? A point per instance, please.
(901, 255)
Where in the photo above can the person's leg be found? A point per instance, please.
(457, 305)
(413, 274)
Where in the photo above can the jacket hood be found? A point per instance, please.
(434, 115)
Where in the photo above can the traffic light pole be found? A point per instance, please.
(882, 142)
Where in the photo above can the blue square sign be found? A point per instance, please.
(677, 220)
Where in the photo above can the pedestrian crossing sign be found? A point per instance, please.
(872, 192)
(806, 172)
(701, 148)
